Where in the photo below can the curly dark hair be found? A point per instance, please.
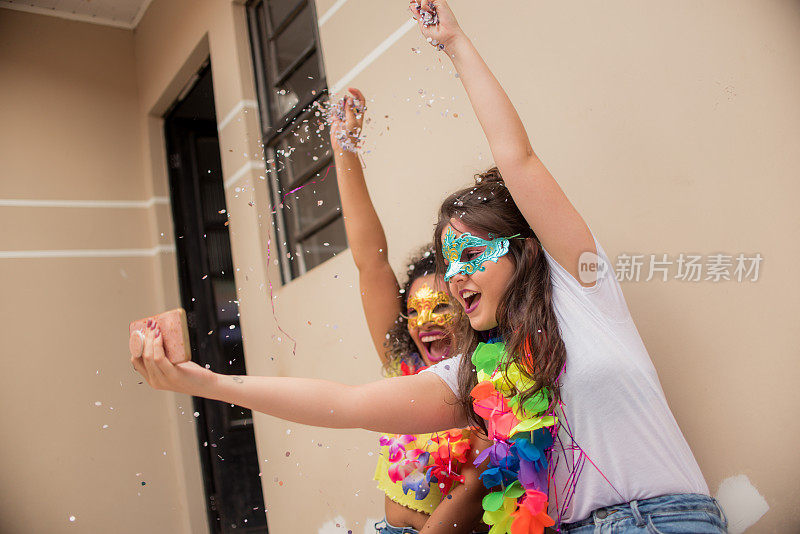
(399, 345)
(525, 316)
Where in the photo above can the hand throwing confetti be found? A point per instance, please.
(347, 136)
(428, 17)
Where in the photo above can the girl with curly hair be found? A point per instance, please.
(429, 480)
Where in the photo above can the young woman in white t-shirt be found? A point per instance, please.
(527, 271)
(619, 462)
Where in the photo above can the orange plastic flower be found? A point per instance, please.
(493, 407)
(531, 517)
(453, 446)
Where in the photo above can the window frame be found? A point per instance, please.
(275, 128)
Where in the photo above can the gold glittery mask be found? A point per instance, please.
(424, 303)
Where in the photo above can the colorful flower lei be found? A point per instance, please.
(520, 435)
(437, 458)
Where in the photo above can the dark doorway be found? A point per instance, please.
(234, 500)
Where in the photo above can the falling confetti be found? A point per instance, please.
(429, 17)
(272, 296)
(335, 112)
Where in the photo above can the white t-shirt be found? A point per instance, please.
(613, 404)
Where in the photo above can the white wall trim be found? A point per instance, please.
(69, 16)
(242, 104)
(34, 203)
(372, 56)
(331, 10)
(87, 253)
(244, 169)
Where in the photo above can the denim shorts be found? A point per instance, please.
(383, 527)
(681, 513)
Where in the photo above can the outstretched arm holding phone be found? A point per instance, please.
(402, 405)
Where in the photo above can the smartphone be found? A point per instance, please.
(174, 330)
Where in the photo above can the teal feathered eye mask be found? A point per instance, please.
(453, 248)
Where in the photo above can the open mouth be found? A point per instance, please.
(471, 299)
(436, 344)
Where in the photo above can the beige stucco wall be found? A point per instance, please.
(672, 128)
(70, 133)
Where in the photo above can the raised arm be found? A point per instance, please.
(380, 295)
(403, 405)
(541, 200)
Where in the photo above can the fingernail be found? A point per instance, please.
(158, 333)
(149, 322)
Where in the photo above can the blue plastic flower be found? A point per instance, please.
(497, 476)
(532, 459)
(528, 452)
(418, 483)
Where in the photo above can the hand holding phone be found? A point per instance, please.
(174, 330)
(163, 358)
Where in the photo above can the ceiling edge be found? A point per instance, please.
(140, 14)
(71, 16)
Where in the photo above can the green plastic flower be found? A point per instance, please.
(535, 405)
(533, 423)
(499, 505)
(501, 518)
(487, 356)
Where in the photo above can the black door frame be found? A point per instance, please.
(234, 499)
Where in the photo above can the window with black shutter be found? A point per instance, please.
(300, 174)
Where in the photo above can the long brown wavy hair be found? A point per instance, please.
(525, 316)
